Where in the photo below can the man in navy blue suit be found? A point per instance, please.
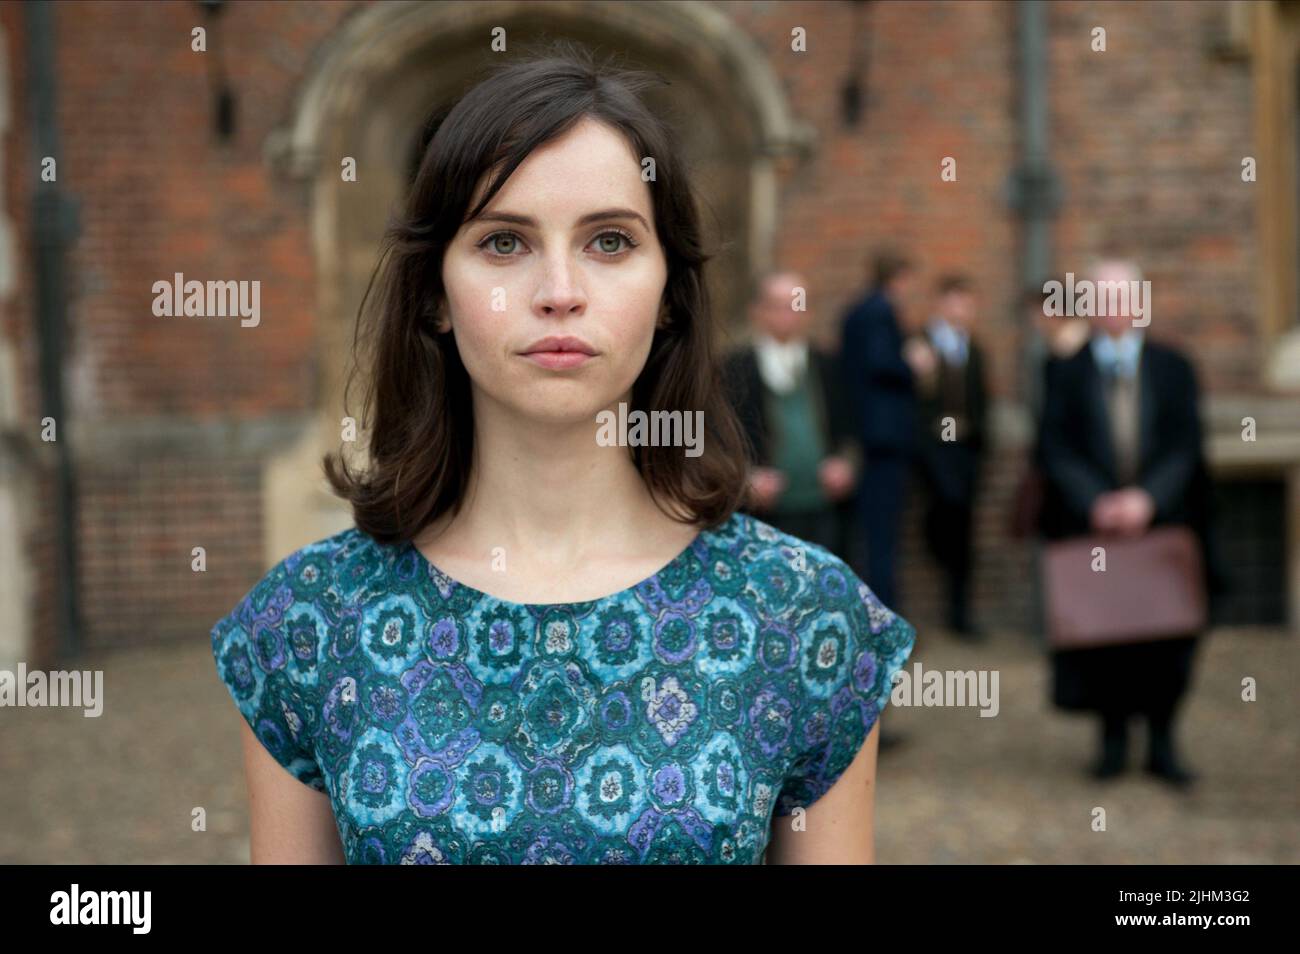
(880, 379)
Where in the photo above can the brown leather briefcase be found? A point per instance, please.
(1152, 588)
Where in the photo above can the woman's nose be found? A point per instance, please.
(560, 291)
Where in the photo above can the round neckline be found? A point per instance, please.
(428, 567)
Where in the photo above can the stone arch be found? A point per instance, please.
(371, 85)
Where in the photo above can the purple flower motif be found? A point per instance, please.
(445, 641)
(772, 718)
(618, 636)
(669, 784)
(386, 703)
(643, 830)
(727, 778)
(864, 672)
(833, 583)
(501, 637)
(616, 711)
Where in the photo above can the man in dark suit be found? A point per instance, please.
(880, 381)
(951, 441)
(1121, 447)
(788, 395)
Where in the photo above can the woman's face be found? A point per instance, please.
(586, 264)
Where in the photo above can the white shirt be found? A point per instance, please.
(780, 363)
(1120, 353)
(951, 342)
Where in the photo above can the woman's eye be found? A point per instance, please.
(607, 243)
(493, 239)
(615, 237)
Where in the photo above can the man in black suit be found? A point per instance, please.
(1121, 447)
(788, 395)
(880, 381)
(952, 420)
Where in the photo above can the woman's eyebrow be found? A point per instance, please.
(602, 216)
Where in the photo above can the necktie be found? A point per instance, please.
(1122, 411)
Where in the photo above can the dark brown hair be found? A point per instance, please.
(887, 265)
(953, 282)
(418, 409)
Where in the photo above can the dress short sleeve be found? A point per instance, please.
(266, 655)
(850, 647)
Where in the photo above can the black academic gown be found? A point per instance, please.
(1078, 462)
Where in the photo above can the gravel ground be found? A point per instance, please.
(124, 787)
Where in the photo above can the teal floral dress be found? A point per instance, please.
(667, 723)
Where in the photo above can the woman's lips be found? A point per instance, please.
(558, 360)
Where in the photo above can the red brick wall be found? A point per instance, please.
(160, 193)
(1147, 137)
(938, 83)
(136, 550)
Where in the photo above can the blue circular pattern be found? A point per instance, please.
(669, 723)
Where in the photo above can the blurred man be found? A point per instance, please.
(1121, 450)
(952, 419)
(880, 380)
(789, 398)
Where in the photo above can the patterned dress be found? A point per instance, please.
(667, 723)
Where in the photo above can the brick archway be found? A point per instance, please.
(373, 83)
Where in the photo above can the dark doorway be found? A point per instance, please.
(1250, 522)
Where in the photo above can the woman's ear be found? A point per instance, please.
(441, 323)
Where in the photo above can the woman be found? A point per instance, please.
(537, 645)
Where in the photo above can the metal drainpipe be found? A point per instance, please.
(1034, 187)
(54, 228)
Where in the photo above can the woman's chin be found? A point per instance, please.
(560, 411)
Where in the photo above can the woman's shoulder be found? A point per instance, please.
(269, 648)
(792, 576)
(270, 644)
(751, 536)
(337, 562)
(827, 651)
(756, 544)
(339, 565)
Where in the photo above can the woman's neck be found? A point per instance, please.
(552, 498)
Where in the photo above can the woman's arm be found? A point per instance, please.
(290, 823)
(838, 828)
